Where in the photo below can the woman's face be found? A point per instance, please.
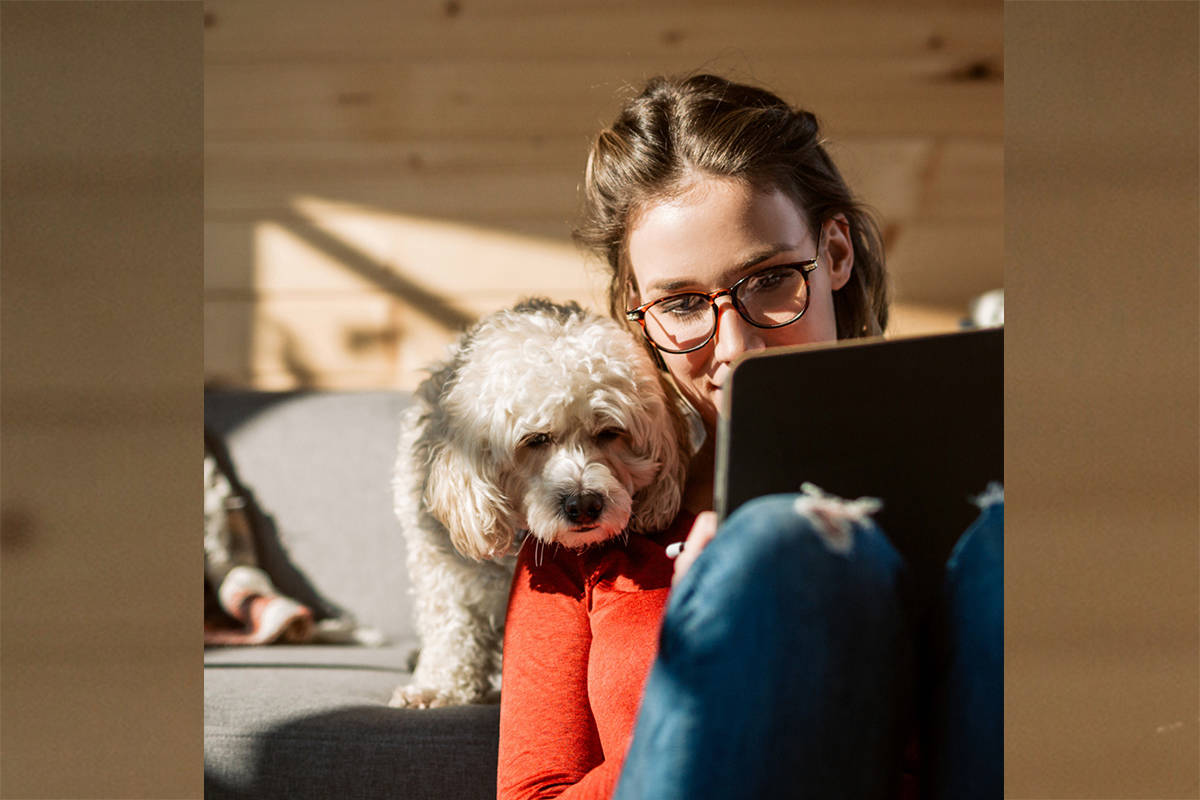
(716, 232)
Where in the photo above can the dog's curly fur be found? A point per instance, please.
(546, 423)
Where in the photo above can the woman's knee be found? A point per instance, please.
(979, 552)
(810, 536)
(973, 593)
(786, 557)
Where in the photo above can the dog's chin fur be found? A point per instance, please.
(583, 538)
(536, 404)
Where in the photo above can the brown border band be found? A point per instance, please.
(101, 166)
(1102, 575)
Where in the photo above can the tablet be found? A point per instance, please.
(916, 422)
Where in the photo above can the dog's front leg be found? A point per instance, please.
(461, 625)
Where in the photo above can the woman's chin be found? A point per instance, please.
(718, 402)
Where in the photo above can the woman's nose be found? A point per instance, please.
(734, 335)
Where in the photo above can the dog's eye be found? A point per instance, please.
(536, 440)
(609, 434)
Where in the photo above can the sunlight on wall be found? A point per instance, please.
(349, 296)
(914, 320)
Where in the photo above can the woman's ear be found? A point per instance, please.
(632, 297)
(838, 250)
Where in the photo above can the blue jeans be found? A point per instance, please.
(787, 667)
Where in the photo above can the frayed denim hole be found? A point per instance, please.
(992, 495)
(835, 519)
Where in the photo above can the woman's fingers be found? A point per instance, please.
(703, 530)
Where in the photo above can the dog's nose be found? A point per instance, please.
(583, 507)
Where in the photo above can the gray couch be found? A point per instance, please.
(312, 721)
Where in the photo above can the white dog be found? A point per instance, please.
(547, 422)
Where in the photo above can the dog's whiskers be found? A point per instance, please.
(524, 540)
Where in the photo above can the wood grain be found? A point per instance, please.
(426, 157)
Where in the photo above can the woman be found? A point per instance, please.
(783, 666)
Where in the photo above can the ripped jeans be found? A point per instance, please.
(793, 663)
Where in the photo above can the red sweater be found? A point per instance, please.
(581, 634)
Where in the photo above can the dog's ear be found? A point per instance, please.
(464, 495)
(656, 505)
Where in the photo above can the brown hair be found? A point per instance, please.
(678, 127)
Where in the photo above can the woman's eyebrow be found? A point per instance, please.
(764, 254)
(757, 257)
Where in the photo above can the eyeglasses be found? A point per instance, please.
(770, 298)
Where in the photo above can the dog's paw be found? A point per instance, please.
(429, 697)
(422, 697)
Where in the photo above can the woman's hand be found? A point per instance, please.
(703, 530)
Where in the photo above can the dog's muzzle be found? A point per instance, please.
(583, 508)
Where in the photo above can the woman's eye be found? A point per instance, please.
(536, 440)
(684, 305)
(769, 279)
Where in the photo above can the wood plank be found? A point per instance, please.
(379, 101)
(336, 247)
(884, 172)
(456, 195)
(289, 341)
(551, 229)
(303, 337)
(947, 264)
(477, 151)
(906, 319)
(386, 31)
(965, 180)
(228, 334)
(902, 177)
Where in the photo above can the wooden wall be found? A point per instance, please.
(379, 173)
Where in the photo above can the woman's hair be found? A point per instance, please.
(679, 129)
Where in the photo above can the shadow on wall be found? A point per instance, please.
(435, 305)
(330, 294)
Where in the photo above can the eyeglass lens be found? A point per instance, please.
(771, 298)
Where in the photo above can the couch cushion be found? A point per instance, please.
(313, 721)
(318, 466)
